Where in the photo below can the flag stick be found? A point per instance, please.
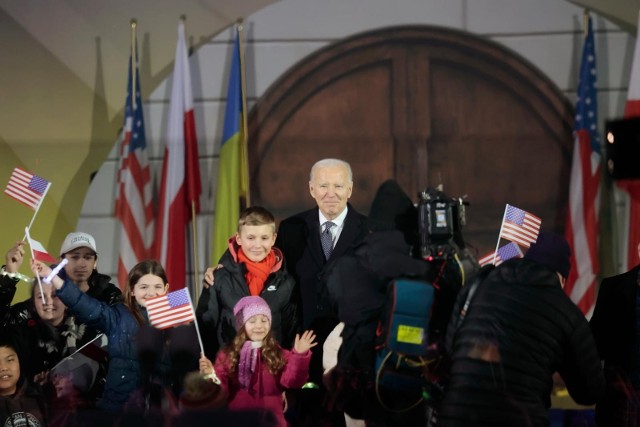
(213, 375)
(194, 240)
(244, 142)
(26, 233)
(75, 352)
(194, 224)
(504, 215)
(38, 207)
(195, 322)
(585, 22)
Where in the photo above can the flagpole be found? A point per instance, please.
(245, 125)
(194, 241)
(195, 323)
(194, 223)
(504, 215)
(585, 22)
(76, 352)
(28, 236)
(134, 63)
(38, 207)
(212, 375)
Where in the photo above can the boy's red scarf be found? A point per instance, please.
(257, 272)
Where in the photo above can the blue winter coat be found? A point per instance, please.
(121, 328)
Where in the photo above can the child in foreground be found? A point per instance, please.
(253, 369)
(21, 402)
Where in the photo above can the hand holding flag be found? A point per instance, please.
(38, 253)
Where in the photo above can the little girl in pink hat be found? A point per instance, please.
(253, 369)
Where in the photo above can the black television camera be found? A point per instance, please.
(440, 222)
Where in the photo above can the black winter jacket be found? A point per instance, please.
(215, 306)
(25, 408)
(519, 330)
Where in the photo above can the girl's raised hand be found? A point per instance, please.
(304, 342)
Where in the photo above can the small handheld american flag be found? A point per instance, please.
(27, 188)
(520, 226)
(170, 310)
(504, 253)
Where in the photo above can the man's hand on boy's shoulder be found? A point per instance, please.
(208, 280)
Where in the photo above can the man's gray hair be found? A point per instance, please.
(326, 163)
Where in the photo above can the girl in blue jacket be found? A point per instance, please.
(119, 322)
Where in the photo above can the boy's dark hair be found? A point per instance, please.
(6, 340)
(256, 215)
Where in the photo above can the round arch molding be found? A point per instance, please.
(424, 106)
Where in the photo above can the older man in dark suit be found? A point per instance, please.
(310, 241)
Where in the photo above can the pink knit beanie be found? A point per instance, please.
(248, 307)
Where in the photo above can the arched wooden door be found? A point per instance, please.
(424, 106)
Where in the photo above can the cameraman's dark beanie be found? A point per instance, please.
(551, 250)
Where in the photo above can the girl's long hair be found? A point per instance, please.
(150, 266)
(271, 352)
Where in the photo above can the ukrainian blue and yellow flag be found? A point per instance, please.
(232, 165)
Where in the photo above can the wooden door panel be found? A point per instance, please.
(424, 106)
(489, 145)
(342, 131)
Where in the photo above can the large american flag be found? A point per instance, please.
(504, 253)
(584, 189)
(133, 191)
(520, 226)
(27, 188)
(169, 310)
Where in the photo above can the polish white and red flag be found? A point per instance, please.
(39, 252)
(181, 187)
